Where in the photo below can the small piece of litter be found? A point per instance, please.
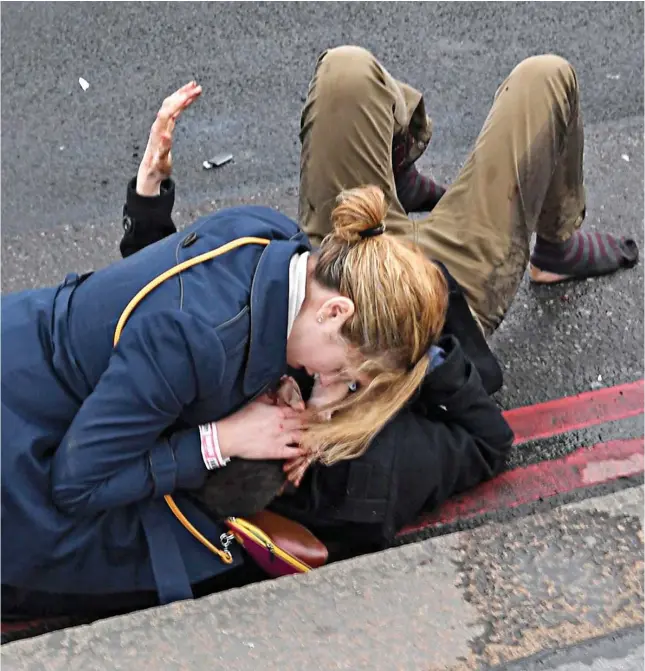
(613, 76)
(62, 147)
(600, 378)
(249, 644)
(217, 161)
(625, 157)
(84, 84)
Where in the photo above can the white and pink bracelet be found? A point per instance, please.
(211, 453)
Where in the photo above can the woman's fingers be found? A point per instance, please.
(294, 438)
(172, 107)
(187, 87)
(295, 476)
(184, 103)
(291, 426)
(284, 452)
(181, 96)
(192, 95)
(293, 465)
(290, 413)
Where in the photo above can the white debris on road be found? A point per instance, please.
(217, 161)
(84, 83)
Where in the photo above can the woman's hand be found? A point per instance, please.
(261, 431)
(156, 164)
(321, 396)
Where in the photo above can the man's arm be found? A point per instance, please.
(146, 219)
(147, 213)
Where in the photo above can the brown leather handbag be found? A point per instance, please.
(278, 545)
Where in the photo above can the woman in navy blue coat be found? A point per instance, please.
(94, 435)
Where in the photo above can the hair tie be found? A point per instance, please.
(373, 232)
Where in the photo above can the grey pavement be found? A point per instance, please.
(558, 583)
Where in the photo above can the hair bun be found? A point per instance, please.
(359, 214)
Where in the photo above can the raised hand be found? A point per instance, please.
(156, 164)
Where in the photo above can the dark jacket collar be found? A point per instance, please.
(267, 358)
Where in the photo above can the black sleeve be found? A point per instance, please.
(146, 219)
(459, 429)
(450, 438)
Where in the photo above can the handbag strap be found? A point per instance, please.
(224, 555)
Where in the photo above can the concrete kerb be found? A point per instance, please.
(469, 600)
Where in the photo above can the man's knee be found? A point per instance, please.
(348, 55)
(548, 67)
(349, 70)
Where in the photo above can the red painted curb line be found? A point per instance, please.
(544, 420)
(585, 467)
(9, 627)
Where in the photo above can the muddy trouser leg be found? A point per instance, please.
(524, 174)
(347, 127)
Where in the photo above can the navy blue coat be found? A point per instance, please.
(104, 433)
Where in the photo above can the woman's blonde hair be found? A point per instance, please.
(400, 300)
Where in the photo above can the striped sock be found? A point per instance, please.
(416, 192)
(585, 254)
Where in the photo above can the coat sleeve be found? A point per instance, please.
(118, 449)
(458, 437)
(146, 219)
(450, 438)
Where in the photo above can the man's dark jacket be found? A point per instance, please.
(450, 437)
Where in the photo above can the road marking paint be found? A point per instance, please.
(585, 467)
(576, 412)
